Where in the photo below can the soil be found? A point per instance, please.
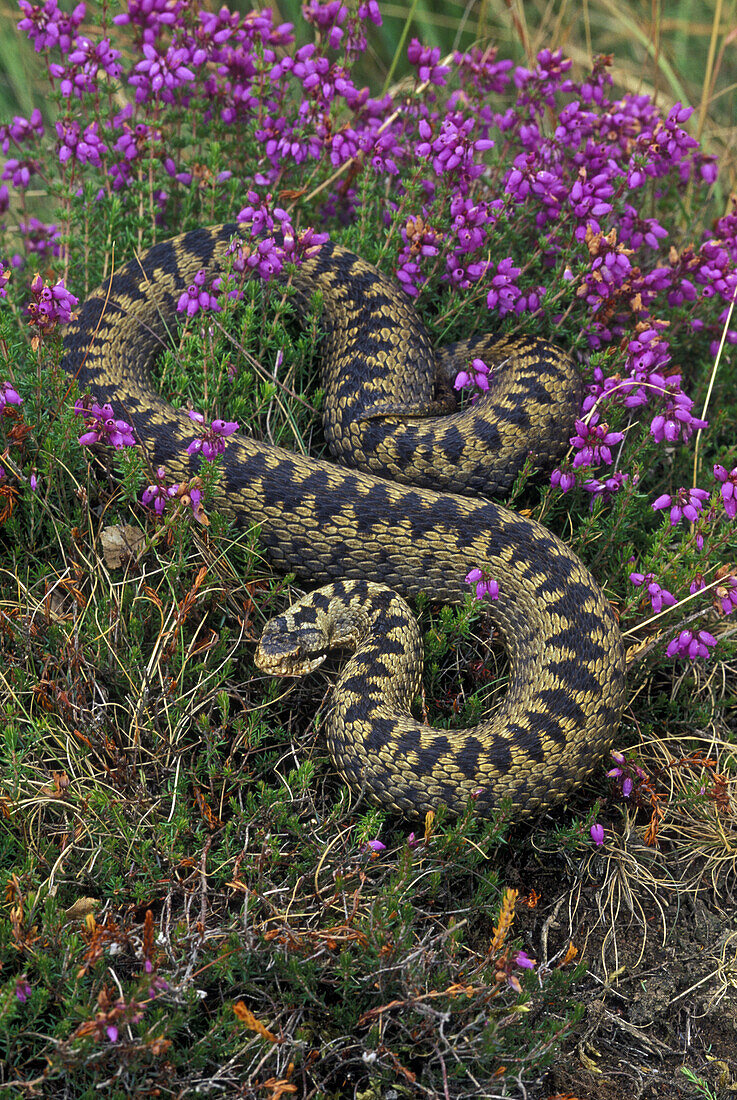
(660, 994)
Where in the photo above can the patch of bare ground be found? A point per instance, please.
(654, 915)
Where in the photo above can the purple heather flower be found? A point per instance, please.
(476, 376)
(262, 218)
(265, 258)
(375, 846)
(195, 502)
(485, 584)
(728, 488)
(196, 297)
(708, 167)
(369, 9)
(686, 505)
(563, 480)
(22, 990)
(379, 149)
(21, 130)
(102, 427)
(470, 223)
(83, 65)
(47, 26)
(160, 74)
(212, 441)
(587, 198)
(152, 16)
(597, 834)
(9, 395)
(170, 168)
(524, 960)
(158, 495)
(75, 144)
(626, 774)
(425, 60)
(479, 70)
(609, 269)
(503, 292)
(726, 594)
(593, 441)
(421, 241)
(604, 490)
(51, 305)
(648, 351)
(112, 1033)
(158, 985)
(94, 56)
(19, 171)
(678, 421)
(659, 597)
(691, 645)
(40, 239)
(328, 17)
(452, 150)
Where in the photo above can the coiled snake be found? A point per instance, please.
(390, 526)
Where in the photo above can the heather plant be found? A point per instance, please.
(507, 198)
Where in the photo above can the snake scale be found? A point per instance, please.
(398, 521)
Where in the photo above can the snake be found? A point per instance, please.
(404, 510)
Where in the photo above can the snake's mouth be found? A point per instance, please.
(293, 663)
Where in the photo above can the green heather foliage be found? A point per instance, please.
(192, 900)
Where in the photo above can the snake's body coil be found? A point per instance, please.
(332, 524)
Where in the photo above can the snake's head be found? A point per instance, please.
(285, 649)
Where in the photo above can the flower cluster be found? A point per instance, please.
(476, 376)
(21, 130)
(659, 597)
(211, 442)
(685, 504)
(593, 442)
(452, 150)
(484, 584)
(39, 240)
(725, 594)
(160, 75)
(84, 68)
(158, 495)
(197, 297)
(80, 145)
(50, 305)
(604, 489)
(691, 644)
(101, 426)
(504, 293)
(727, 488)
(420, 242)
(186, 493)
(48, 26)
(23, 989)
(630, 777)
(425, 61)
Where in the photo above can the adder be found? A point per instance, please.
(392, 521)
